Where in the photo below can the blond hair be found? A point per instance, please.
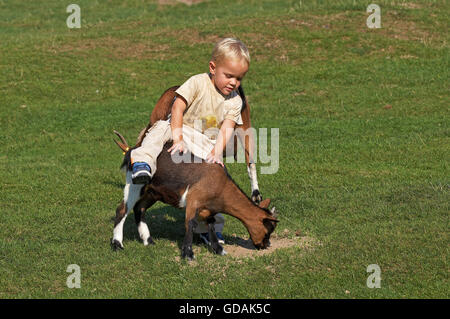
(230, 48)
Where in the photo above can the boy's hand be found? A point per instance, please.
(177, 147)
(212, 158)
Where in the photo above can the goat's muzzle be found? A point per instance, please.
(270, 225)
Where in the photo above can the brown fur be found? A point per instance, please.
(211, 190)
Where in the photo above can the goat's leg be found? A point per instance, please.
(205, 214)
(132, 194)
(247, 139)
(215, 246)
(251, 167)
(186, 249)
(256, 195)
(139, 211)
(190, 224)
(121, 214)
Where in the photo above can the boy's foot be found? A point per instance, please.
(220, 238)
(142, 173)
(205, 238)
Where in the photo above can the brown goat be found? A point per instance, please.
(164, 107)
(203, 189)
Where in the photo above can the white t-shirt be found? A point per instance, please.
(206, 106)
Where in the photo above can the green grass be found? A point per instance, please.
(369, 183)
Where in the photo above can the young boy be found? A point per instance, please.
(204, 102)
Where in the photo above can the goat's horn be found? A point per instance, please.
(124, 145)
(121, 138)
(274, 211)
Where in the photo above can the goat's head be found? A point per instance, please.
(269, 221)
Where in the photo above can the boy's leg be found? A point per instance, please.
(220, 223)
(202, 228)
(144, 157)
(218, 226)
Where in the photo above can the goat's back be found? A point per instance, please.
(171, 179)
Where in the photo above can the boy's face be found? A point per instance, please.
(228, 74)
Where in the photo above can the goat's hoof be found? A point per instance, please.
(188, 254)
(188, 257)
(218, 250)
(115, 244)
(256, 197)
(149, 241)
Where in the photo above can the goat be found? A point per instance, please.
(204, 189)
(164, 107)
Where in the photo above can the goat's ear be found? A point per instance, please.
(271, 219)
(265, 203)
(274, 212)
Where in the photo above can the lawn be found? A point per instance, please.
(363, 118)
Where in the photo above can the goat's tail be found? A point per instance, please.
(125, 149)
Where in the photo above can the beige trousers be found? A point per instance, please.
(197, 143)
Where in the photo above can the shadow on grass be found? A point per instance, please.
(168, 223)
(163, 222)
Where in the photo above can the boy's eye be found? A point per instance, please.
(229, 76)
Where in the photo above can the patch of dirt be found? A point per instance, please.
(193, 37)
(408, 56)
(116, 48)
(396, 26)
(172, 2)
(393, 24)
(240, 248)
(410, 5)
(264, 45)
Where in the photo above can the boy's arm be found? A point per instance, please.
(176, 124)
(225, 133)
